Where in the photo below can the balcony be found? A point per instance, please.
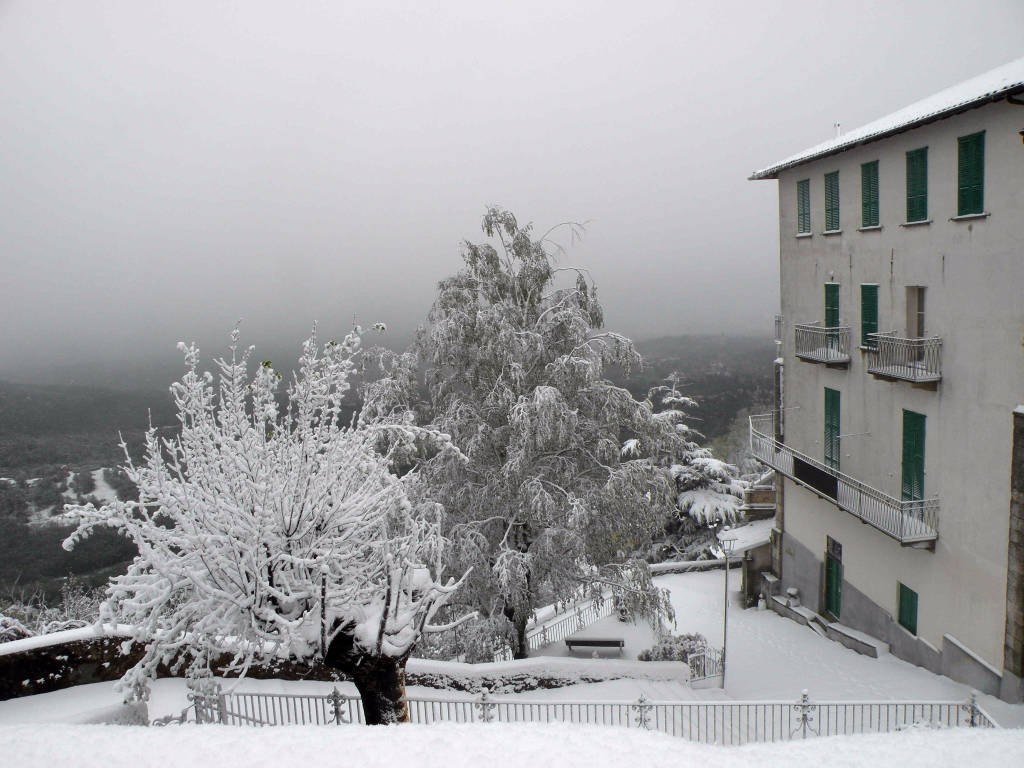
(819, 344)
(896, 357)
(911, 523)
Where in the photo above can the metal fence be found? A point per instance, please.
(732, 723)
(705, 664)
(822, 344)
(896, 357)
(581, 616)
(908, 522)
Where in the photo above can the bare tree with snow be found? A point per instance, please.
(565, 473)
(267, 531)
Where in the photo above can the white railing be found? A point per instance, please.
(820, 344)
(704, 664)
(909, 522)
(734, 722)
(580, 616)
(898, 357)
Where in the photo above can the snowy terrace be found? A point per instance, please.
(820, 344)
(912, 523)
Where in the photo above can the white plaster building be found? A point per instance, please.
(899, 453)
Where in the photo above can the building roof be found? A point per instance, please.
(991, 86)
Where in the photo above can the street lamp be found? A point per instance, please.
(728, 542)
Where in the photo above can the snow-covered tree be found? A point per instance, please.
(548, 495)
(710, 490)
(267, 531)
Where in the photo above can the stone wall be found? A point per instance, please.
(1013, 649)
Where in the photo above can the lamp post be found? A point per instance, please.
(728, 542)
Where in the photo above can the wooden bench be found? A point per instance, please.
(594, 642)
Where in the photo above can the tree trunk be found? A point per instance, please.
(380, 680)
(518, 620)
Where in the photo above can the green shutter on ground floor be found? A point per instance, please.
(908, 608)
(833, 586)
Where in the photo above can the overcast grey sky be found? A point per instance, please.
(169, 167)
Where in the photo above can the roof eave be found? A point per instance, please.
(772, 172)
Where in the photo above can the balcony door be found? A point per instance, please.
(831, 437)
(831, 305)
(913, 456)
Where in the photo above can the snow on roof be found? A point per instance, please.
(749, 536)
(991, 86)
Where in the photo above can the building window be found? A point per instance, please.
(917, 185)
(912, 486)
(869, 194)
(868, 315)
(970, 174)
(803, 207)
(908, 608)
(915, 311)
(832, 201)
(832, 428)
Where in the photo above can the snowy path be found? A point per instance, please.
(772, 658)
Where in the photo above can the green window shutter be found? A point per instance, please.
(913, 456)
(868, 315)
(832, 201)
(831, 305)
(970, 174)
(917, 184)
(908, 608)
(803, 206)
(832, 428)
(869, 194)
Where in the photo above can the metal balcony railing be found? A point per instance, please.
(909, 522)
(820, 344)
(896, 357)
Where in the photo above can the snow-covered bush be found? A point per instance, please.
(29, 616)
(674, 648)
(11, 628)
(267, 532)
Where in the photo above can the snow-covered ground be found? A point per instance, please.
(449, 745)
(769, 658)
(772, 658)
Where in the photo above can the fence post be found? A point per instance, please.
(972, 703)
(485, 705)
(643, 712)
(803, 708)
(337, 704)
